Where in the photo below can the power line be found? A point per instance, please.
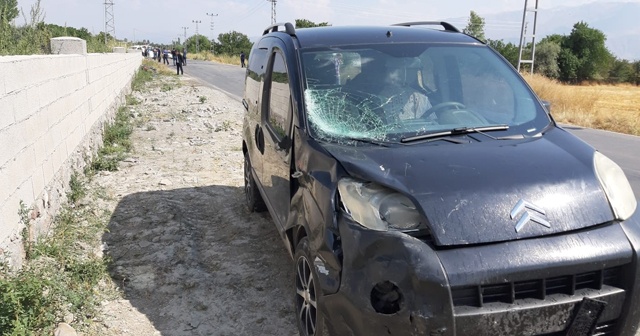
(252, 11)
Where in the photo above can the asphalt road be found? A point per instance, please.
(621, 148)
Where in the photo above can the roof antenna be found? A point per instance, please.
(389, 33)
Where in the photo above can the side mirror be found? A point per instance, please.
(547, 105)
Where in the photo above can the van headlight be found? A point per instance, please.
(616, 186)
(378, 208)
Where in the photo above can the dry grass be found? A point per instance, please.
(207, 56)
(610, 107)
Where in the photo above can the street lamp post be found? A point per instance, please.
(197, 47)
(212, 38)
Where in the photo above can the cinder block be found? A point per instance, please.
(37, 181)
(16, 171)
(13, 141)
(48, 171)
(10, 218)
(68, 45)
(28, 103)
(7, 103)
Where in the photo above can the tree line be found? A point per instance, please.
(578, 57)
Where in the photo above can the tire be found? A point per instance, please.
(309, 320)
(254, 200)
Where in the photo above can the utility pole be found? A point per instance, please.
(523, 36)
(109, 22)
(185, 33)
(273, 11)
(212, 38)
(196, 22)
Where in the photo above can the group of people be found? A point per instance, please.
(179, 58)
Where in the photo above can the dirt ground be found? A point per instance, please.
(187, 255)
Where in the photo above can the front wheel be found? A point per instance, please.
(254, 200)
(309, 319)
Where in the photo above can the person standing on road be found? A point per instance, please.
(179, 60)
(242, 59)
(184, 56)
(165, 57)
(173, 55)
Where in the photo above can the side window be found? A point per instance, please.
(279, 97)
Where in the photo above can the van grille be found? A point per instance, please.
(477, 296)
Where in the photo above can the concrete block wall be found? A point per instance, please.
(52, 112)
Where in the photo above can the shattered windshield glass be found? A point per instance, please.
(388, 92)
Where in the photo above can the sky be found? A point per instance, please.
(163, 21)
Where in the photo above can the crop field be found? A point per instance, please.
(609, 107)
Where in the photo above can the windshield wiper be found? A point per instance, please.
(457, 131)
(366, 140)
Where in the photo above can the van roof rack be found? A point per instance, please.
(288, 28)
(447, 26)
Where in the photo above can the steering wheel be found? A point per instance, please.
(453, 113)
(446, 106)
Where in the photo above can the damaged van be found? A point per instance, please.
(422, 188)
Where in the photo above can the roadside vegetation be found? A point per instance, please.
(64, 276)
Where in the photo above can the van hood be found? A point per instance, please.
(479, 192)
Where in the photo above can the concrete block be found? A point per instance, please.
(7, 103)
(4, 69)
(59, 156)
(119, 50)
(13, 141)
(37, 182)
(48, 171)
(68, 45)
(10, 218)
(27, 103)
(16, 171)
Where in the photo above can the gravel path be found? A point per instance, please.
(189, 257)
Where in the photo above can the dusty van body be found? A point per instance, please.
(423, 189)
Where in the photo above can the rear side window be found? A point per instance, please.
(280, 97)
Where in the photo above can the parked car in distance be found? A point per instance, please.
(422, 188)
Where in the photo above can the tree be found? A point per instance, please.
(475, 27)
(621, 71)
(8, 10)
(507, 50)
(568, 64)
(203, 43)
(546, 62)
(588, 46)
(304, 23)
(233, 43)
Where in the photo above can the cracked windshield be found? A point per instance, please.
(388, 93)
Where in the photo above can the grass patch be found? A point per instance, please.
(59, 276)
(610, 107)
(116, 142)
(131, 100)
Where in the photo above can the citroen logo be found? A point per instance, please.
(531, 213)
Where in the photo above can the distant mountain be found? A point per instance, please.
(617, 20)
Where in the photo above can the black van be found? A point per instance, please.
(422, 188)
